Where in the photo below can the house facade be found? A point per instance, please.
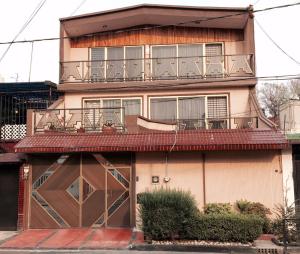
(155, 96)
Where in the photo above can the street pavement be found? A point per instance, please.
(104, 252)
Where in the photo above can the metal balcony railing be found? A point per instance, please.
(169, 68)
(113, 120)
(216, 123)
(79, 120)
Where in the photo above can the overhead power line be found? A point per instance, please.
(153, 27)
(31, 17)
(185, 83)
(276, 44)
(78, 7)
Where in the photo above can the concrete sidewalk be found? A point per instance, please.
(77, 239)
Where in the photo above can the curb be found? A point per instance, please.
(193, 248)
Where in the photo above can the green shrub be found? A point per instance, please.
(225, 228)
(217, 208)
(173, 214)
(166, 213)
(242, 205)
(255, 208)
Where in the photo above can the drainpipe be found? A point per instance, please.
(204, 180)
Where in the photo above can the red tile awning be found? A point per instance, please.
(197, 140)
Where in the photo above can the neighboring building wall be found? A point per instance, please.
(288, 181)
(290, 117)
(229, 176)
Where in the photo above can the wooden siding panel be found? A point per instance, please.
(40, 218)
(168, 35)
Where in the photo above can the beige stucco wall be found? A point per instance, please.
(251, 175)
(229, 176)
(184, 170)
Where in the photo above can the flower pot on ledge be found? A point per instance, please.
(109, 130)
(81, 130)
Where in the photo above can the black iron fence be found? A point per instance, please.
(13, 110)
(168, 68)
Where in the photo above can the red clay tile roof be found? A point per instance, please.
(200, 140)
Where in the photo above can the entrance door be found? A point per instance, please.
(83, 190)
(9, 181)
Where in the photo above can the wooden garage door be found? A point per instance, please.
(81, 190)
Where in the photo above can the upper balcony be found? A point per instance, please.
(157, 42)
(158, 68)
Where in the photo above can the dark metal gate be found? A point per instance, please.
(9, 182)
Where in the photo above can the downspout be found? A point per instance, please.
(204, 179)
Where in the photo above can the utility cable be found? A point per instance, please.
(78, 7)
(153, 27)
(274, 42)
(184, 83)
(31, 17)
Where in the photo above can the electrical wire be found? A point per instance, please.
(153, 27)
(168, 85)
(78, 7)
(276, 44)
(31, 17)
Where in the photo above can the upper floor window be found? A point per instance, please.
(117, 63)
(187, 61)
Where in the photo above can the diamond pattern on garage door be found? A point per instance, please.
(83, 190)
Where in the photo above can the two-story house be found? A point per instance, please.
(155, 96)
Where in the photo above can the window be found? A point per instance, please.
(217, 112)
(164, 62)
(190, 60)
(134, 63)
(97, 64)
(132, 106)
(163, 108)
(100, 111)
(191, 108)
(192, 111)
(214, 60)
(217, 107)
(183, 108)
(117, 63)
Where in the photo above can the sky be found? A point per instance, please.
(282, 25)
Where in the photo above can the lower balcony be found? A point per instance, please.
(115, 120)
